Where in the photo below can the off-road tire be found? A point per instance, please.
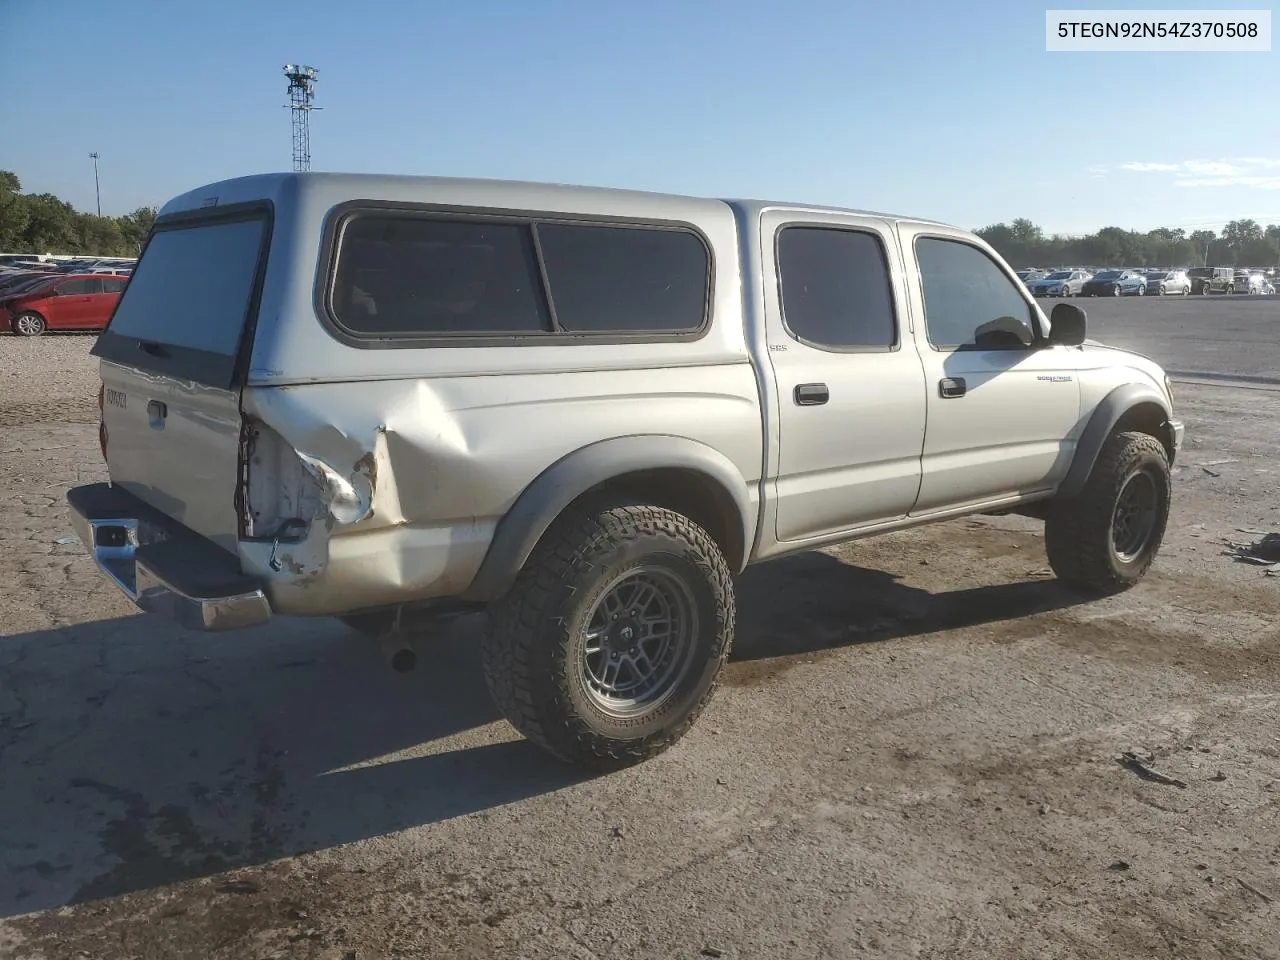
(536, 632)
(1078, 531)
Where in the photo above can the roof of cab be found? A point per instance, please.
(512, 194)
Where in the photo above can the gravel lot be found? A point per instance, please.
(914, 755)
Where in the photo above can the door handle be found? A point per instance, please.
(812, 394)
(951, 387)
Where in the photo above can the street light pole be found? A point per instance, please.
(96, 189)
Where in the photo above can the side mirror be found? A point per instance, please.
(1067, 325)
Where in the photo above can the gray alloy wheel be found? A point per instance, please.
(29, 324)
(1115, 291)
(639, 642)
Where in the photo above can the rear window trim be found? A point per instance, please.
(188, 363)
(342, 213)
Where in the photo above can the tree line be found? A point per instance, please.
(40, 223)
(1242, 243)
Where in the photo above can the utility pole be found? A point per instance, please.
(96, 189)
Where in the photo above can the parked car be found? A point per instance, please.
(1248, 283)
(1206, 280)
(1116, 283)
(11, 281)
(23, 284)
(78, 302)
(593, 455)
(1060, 283)
(1161, 282)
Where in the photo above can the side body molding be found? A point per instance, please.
(567, 479)
(1105, 416)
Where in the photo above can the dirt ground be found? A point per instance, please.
(915, 753)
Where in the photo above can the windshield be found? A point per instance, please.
(28, 285)
(1059, 275)
(1107, 275)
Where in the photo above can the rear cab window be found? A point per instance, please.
(834, 288)
(188, 309)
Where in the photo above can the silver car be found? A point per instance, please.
(1060, 283)
(1162, 282)
(1254, 283)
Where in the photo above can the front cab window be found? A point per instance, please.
(969, 302)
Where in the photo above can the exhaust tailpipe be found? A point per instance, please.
(399, 654)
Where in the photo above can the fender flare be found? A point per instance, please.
(543, 500)
(1103, 420)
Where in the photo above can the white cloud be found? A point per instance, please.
(1151, 167)
(1211, 168)
(1236, 172)
(1256, 183)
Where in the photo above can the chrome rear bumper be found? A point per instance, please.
(162, 566)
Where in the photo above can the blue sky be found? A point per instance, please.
(946, 110)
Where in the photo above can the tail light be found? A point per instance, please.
(102, 422)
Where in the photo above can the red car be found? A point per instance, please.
(64, 302)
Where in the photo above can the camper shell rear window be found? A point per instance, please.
(189, 309)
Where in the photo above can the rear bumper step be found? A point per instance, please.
(161, 565)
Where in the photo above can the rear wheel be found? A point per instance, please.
(609, 644)
(29, 324)
(1105, 539)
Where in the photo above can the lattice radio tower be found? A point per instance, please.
(302, 91)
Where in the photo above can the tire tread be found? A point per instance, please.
(1078, 530)
(518, 623)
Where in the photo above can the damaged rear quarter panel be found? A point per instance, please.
(412, 475)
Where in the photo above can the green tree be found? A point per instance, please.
(14, 216)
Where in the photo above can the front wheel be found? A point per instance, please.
(1115, 291)
(1106, 538)
(1162, 290)
(29, 324)
(609, 644)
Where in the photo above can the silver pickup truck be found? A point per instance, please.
(390, 399)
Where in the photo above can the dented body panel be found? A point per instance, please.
(407, 479)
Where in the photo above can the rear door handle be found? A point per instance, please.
(951, 387)
(812, 394)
